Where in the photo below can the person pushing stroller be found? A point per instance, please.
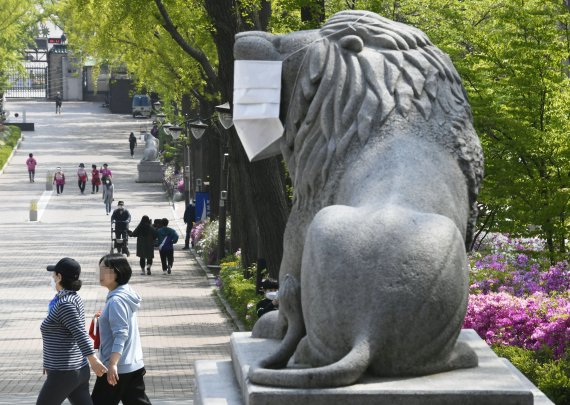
(121, 218)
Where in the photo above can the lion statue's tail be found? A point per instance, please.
(346, 371)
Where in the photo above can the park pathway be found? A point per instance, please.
(179, 320)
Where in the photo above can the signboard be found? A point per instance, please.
(202, 205)
(54, 40)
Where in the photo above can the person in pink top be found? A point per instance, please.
(105, 172)
(59, 180)
(31, 163)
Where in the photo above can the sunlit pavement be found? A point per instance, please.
(179, 319)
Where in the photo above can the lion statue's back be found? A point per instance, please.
(386, 168)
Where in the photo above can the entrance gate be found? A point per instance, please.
(32, 84)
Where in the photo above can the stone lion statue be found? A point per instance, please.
(150, 152)
(386, 168)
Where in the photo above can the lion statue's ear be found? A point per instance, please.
(352, 42)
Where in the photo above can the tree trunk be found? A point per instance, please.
(258, 203)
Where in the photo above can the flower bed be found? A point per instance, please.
(520, 305)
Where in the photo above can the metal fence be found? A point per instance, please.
(32, 84)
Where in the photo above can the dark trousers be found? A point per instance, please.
(132, 150)
(71, 384)
(59, 188)
(94, 187)
(32, 174)
(144, 261)
(166, 258)
(129, 389)
(81, 185)
(188, 233)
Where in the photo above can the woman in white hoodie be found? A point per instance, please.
(120, 348)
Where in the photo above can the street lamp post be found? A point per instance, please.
(222, 211)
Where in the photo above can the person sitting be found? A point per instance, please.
(271, 301)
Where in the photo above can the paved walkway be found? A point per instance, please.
(179, 319)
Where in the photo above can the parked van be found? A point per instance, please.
(141, 105)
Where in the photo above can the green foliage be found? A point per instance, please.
(8, 140)
(239, 291)
(551, 376)
(131, 34)
(18, 22)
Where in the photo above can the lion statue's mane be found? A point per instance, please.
(417, 77)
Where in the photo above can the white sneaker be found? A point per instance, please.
(142, 272)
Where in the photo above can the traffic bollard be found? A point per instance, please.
(49, 181)
(33, 210)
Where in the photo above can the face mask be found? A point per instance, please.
(52, 283)
(257, 93)
(271, 295)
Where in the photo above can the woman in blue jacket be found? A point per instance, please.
(120, 348)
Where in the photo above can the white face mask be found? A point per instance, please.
(257, 96)
(271, 295)
(52, 283)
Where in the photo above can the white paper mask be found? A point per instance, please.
(257, 93)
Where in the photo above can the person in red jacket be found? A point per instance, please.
(59, 180)
(31, 163)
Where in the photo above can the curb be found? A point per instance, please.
(16, 147)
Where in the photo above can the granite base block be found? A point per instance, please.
(150, 172)
(494, 382)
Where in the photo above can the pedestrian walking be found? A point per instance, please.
(121, 218)
(108, 189)
(58, 103)
(81, 177)
(95, 179)
(105, 171)
(167, 237)
(59, 180)
(67, 349)
(145, 234)
(31, 163)
(132, 144)
(120, 347)
(189, 218)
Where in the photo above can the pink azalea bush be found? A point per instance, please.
(537, 322)
(517, 298)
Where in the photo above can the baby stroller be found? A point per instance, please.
(120, 239)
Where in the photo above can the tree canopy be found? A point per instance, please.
(18, 24)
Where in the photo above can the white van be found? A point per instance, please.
(141, 105)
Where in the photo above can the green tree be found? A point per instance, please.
(18, 24)
(512, 56)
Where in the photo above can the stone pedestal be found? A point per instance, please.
(494, 382)
(150, 172)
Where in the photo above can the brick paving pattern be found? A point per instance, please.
(179, 319)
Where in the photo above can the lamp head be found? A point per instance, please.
(225, 115)
(198, 128)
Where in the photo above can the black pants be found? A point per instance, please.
(71, 384)
(144, 262)
(81, 185)
(188, 233)
(167, 259)
(94, 187)
(132, 150)
(32, 174)
(129, 389)
(59, 188)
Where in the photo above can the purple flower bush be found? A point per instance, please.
(517, 298)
